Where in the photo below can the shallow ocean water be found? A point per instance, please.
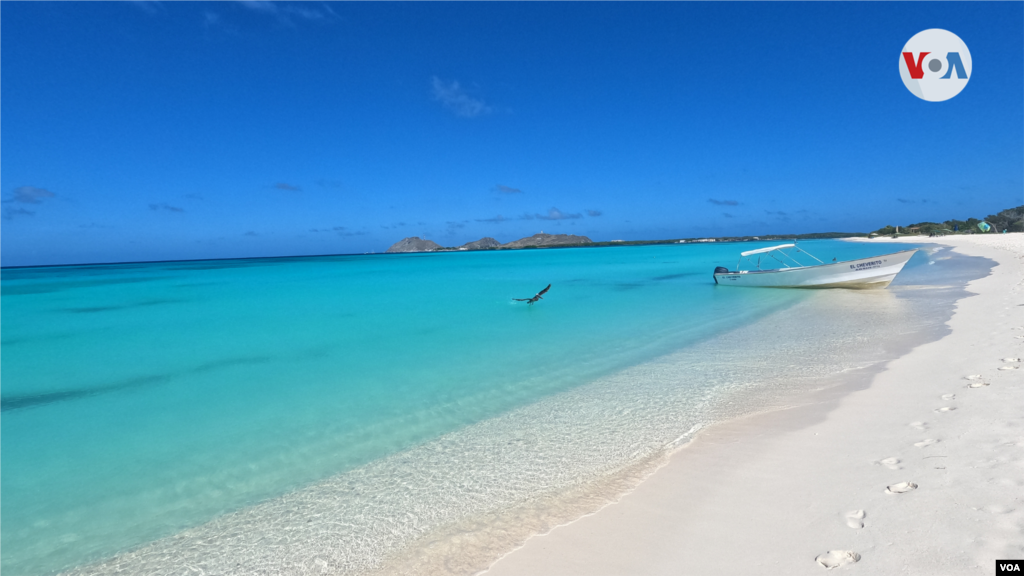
(360, 403)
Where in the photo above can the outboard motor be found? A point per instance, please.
(720, 270)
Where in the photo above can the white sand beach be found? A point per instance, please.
(922, 472)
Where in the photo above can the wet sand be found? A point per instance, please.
(921, 472)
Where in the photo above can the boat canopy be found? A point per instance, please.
(763, 250)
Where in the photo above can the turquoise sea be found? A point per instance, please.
(183, 413)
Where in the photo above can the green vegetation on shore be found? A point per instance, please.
(1011, 220)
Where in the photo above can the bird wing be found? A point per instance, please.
(544, 290)
(521, 299)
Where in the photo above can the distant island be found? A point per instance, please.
(541, 240)
(1010, 220)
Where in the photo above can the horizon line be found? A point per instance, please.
(388, 253)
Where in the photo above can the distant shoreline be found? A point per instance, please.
(415, 244)
(603, 244)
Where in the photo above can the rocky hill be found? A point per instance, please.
(481, 244)
(543, 239)
(417, 244)
(414, 244)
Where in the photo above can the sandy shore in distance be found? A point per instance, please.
(920, 473)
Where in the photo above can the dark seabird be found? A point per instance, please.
(535, 298)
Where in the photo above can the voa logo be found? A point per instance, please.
(1009, 567)
(935, 65)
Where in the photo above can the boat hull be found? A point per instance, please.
(864, 273)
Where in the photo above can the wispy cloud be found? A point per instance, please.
(30, 195)
(309, 13)
(147, 6)
(727, 215)
(251, 233)
(25, 195)
(556, 214)
(10, 213)
(339, 230)
(506, 189)
(165, 207)
(723, 202)
(783, 216)
(284, 12)
(496, 220)
(594, 213)
(259, 6)
(904, 201)
(452, 96)
(288, 187)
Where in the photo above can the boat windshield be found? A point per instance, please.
(774, 252)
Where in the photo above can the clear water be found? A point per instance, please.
(141, 400)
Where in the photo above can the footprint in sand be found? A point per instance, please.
(900, 488)
(855, 518)
(946, 409)
(890, 463)
(1007, 367)
(1011, 359)
(925, 443)
(836, 558)
(919, 425)
(973, 377)
(977, 384)
(949, 396)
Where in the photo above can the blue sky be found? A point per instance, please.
(150, 131)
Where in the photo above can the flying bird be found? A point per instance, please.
(535, 298)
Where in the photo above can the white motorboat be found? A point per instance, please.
(874, 272)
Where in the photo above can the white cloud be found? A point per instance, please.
(455, 99)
